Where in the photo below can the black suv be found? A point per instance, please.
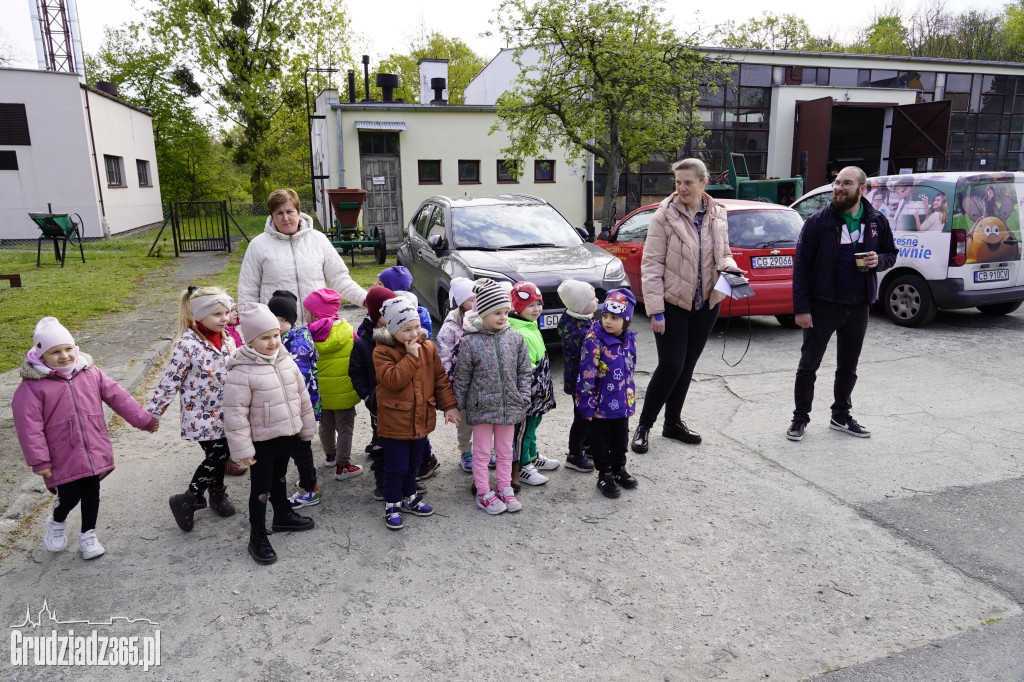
(508, 237)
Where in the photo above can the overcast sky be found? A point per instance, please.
(386, 26)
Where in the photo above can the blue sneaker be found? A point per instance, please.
(392, 516)
(414, 504)
(579, 463)
(467, 462)
(492, 464)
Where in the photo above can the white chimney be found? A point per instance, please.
(431, 68)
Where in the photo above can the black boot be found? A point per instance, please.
(220, 503)
(183, 506)
(679, 431)
(639, 443)
(607, 485)
(259, 545)
(623, 478)
(285, 519)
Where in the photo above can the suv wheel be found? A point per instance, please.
(908, 301)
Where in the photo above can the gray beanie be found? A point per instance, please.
(491, 296)
(398, 312)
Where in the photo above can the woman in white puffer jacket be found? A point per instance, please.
(292, 255)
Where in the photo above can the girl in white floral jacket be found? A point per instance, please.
(196, 370)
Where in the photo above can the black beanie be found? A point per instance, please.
(284, 304)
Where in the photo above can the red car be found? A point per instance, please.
(763, 240)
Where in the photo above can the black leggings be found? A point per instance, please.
(302, 455)
(210, 474)
(679, 348)
(267, 476)
(579, 433)
(84, 490)
(608, 441)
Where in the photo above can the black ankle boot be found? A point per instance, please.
(623, 478)
(607, 485)
(285, 519)
(259, 545)
(220, 503)
(678, 431)
(639, 443)
(183, 506)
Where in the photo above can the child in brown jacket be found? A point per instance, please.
(411, 384)
(267, 412)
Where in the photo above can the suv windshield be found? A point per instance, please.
(511, 226)
(756, 229)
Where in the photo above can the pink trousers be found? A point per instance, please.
(501, 436)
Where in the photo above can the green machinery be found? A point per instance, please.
(738, 185)
(345, 233)
(60, 228)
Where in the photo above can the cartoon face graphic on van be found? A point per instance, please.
(990, 241)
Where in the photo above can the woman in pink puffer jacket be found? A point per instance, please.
(266, 413)
(58, 415)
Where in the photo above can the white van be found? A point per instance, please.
(959, 236)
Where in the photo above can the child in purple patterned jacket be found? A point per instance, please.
(606, 394)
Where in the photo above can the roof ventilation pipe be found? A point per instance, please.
(387, 82)
(438, 85)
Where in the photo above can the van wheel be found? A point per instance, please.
(908, 302)
(787, 321)
(1000, 308)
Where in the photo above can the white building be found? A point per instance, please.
(77, 149)
(402, 154)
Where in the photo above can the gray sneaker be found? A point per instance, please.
(796, 430)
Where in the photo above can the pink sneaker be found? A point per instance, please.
(508, 496)
(490, 503)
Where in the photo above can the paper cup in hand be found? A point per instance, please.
(859, 260)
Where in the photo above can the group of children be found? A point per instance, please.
(256, 401)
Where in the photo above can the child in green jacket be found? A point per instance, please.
(528, 306)
(333, 339)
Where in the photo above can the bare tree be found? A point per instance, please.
(975, 35)
(928, 30)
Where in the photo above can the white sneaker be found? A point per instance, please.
(544, 464)
(490, 503)
(530, 476)
(508, 496)
(89, 545)
(55, 539)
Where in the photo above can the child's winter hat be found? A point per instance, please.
(461, 289)
(284, 304)
(576, 295)
(202, 306)
(49, 333)
(396, 278)
(490, 296)
(324, 303)
(523, 294)
(398, 312)
(254, 319)
(620, 302)
(375, 298)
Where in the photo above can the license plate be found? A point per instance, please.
(771, 262)
(549, 321)
(997, 275)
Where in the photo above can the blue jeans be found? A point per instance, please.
(849, 322)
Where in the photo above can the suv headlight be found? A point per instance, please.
(490, 274)
(613, 272)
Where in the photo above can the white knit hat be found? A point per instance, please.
(398, 312)
(255, 319)
(50, 332)
(461, 289)
(576, 295)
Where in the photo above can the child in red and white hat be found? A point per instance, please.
(527, 306)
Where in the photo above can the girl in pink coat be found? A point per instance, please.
(58, 414)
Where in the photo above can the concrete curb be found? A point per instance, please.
(32, 488)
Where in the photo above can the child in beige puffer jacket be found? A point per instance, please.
(266, 413)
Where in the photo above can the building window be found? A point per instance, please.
(469, 172)
(115, 170)
(430, 172)
(8, 160)
(14, 125)
(543, 171)
(508, 170)
(143, 167)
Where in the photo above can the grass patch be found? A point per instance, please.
(75, 294)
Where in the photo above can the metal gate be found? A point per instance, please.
(200, 226)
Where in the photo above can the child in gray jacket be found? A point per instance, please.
(492, 386)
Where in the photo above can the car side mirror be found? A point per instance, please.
(582, 232)
(605, 235)
(437, 242)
